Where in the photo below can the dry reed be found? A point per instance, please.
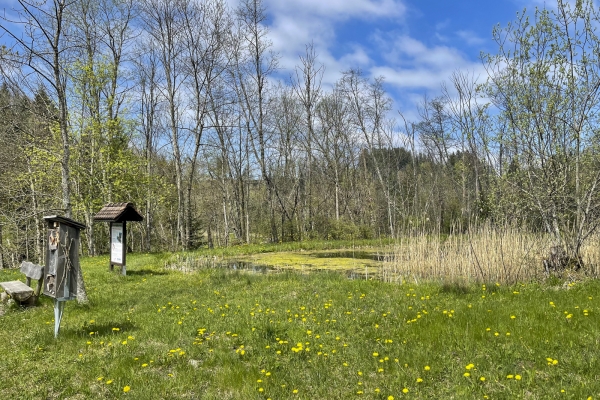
(482, 255)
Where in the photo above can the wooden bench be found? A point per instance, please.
(22, 292)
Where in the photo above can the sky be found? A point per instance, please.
(414, 44)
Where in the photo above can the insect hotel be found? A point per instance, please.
(117, 214)
(62, 263)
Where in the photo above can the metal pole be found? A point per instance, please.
(59, 307)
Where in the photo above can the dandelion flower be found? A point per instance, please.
(405, 390)
(126, 389)
(419, 380)
(427, 368)
(518, 377)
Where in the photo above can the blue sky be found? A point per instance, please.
(414, 44)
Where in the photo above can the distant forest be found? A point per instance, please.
(174, 106)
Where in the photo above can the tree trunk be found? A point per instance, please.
(1, 250)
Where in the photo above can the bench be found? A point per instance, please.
(22, 292)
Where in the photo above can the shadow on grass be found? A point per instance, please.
(142, 272)
(106, 329)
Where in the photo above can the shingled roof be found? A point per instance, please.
(118, 212)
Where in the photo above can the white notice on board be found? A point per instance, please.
(116, 243)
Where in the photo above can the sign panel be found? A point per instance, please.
(116, 243)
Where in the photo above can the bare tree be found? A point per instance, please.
(307, 86)
(254, 63)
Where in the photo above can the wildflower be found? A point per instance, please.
(509, 376)
(470, 366)
(375, 354)
(405, 390)
(144, 365)
(518, 377)
(126, 389)
(295, 391)
(419, 380)
(390, 397)
(466, 374)
(482, 378)
(108, 382)
(427, 368)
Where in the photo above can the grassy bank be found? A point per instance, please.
(218, 334)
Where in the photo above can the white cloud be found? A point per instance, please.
(337, 9)
(470, 38)
(296, 23)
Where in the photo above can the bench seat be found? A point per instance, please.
(17, 290)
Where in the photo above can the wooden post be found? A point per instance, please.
(123, 266)
(110, 264)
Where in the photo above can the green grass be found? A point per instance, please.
(218, 334)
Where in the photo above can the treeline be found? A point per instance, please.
(178, 107)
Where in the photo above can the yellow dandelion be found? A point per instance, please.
(427, 368)
(126, 389)
(405, 390)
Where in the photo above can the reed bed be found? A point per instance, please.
(482, 255)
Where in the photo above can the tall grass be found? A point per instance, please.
(481, 255)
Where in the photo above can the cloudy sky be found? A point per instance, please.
(413, 44)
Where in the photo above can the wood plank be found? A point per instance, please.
(17, 290)
(31, 270)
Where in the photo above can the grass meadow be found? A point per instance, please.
(214, 333)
